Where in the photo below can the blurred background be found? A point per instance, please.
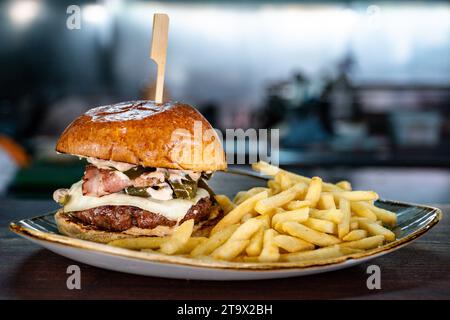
(359, 90)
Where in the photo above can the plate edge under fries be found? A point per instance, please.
(23, 228)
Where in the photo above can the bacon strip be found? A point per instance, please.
(99, 182)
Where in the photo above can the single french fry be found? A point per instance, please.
(270, 170)
(358, 219)
(235, 215)
(215, 241)
(265, 168)
(283, 180)
(297, 204)
(274, 224)
(299, 215)
(178, 238)
(224, 202)
(186, 249)
(387, 217)
(237, 198)
(314, 190)
(252, 259)
(313, 255)
(191, 244)
(348, 250)
(246, 217)
(374, 229)
(357, 234)
(353, 225)
(326, 201)
(345, 185)
(138, 243)
(241, 196)
(330, 187)
(274, 187)
(362, 211)
(334, 215)
(366, 243)
(267, 205)
(269, 252)
(265, 219)
(278, 176)
(230, 250)
(303, 232)
(321, 225)
(238, 241)
(344, 225)
(356, 195)
(246, 230)
(256, 243)
(292, 244)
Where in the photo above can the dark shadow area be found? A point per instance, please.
(43, 275)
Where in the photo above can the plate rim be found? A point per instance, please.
(19, 229)
(312, 269)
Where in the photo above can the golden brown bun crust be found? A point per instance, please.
(73, 229)
(147, 134)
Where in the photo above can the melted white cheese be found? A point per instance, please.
(174, 209)
(163, 193)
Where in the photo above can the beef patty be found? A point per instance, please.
(121, 218)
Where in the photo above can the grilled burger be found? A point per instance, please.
(146, 172)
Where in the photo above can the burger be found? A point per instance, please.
(146, 171)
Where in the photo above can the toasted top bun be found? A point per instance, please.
(170, 135)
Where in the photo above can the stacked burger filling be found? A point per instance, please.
(117, 196)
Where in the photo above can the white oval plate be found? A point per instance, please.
(413, 221)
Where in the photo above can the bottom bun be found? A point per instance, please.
(69, 227)
(72, 228)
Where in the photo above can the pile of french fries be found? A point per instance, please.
(294, 219)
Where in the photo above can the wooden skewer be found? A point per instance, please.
(158, 51)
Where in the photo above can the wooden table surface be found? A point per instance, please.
(417, 271)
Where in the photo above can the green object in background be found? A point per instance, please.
(42, 178)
